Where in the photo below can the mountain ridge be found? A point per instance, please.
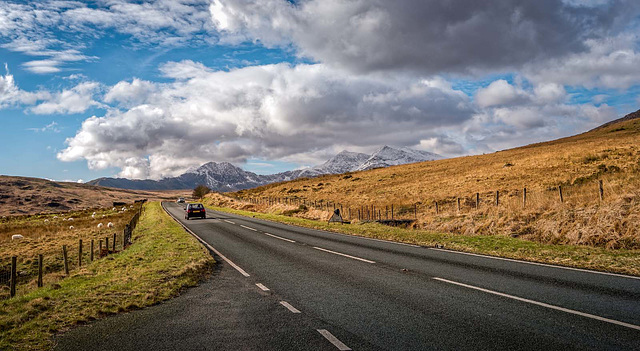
(224, 176)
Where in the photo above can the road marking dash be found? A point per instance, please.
(345, 255)
(553, 307)
(228, 221)
(279, 237)
(289, 307)
(245, 227)
(536, 263)
(332, 339)
(262, 287)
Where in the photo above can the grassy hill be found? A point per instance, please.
(610, 153)
(22, 195)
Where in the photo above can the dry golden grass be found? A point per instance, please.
(45, 234)
(611, 154)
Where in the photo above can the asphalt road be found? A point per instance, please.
(332, 291)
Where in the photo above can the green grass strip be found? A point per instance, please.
(162, 262)
(617, 261)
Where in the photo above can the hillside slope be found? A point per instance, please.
(22, 195)
(614, 149)
(561, 178)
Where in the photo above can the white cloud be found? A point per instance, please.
(75, 100)
(609, 63)
(499, 92)
(270, 112)
(51, 127)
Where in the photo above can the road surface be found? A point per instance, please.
(288, 287)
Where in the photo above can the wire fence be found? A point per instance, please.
(399, 213)
(44, 259)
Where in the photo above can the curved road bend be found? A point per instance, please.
(297, 288)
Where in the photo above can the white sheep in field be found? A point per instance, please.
(70, 227)
(99, 225)
(55, 217)
(124, 209)
(70, 219)
(64, 219)
(94, 214)
(113, 209)
(103, 216)
(17, 237)
(46, 221)
(109, 225)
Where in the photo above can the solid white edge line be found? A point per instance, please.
(536, 263)
(228, 221)
(332, 339)
(279, 237)
(242, 271)
(289, 307)
(262, 287)
(345, 255)
(553, 307)
(245, 227)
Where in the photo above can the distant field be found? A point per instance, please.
(22, 196)
(610, 154)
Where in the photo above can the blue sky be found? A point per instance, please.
(150, 89)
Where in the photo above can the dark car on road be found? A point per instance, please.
(194, 210)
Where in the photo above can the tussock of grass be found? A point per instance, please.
(162, 261)
(620, 261)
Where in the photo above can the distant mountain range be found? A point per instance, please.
(223, 176)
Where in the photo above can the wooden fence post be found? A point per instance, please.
(458, 200)
(14, 276)
(436, 202)
(100, 248)
(524, 197)
(560, 193)
(91, 254)
(79, 252)
(64, 257)
(601, 189)
(497, 197)
(40, 271)
(477, 200)
(391, 211)
(415, 211)
(114, 242)
(106, 244)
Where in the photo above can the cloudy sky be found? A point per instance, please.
(148, 89)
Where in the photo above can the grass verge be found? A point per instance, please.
(618, 261)
(162, 262)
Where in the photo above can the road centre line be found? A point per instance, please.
(245, 227)
(281, 238)
(332, 339)
(345, 255)
(262, 287)
(228, 221)
(289, 307)
(553, 307)
(536, 263)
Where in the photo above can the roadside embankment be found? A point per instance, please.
(162, 261)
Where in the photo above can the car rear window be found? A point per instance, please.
(196, 206)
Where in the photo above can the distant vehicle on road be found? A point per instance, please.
(180, 200)
(194, 210)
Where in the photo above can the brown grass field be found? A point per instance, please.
(28, 196)
(610, 153)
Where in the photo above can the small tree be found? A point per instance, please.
(200, 191)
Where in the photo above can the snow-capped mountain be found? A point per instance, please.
(223, 176)
(345, 161)
(387, 156)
